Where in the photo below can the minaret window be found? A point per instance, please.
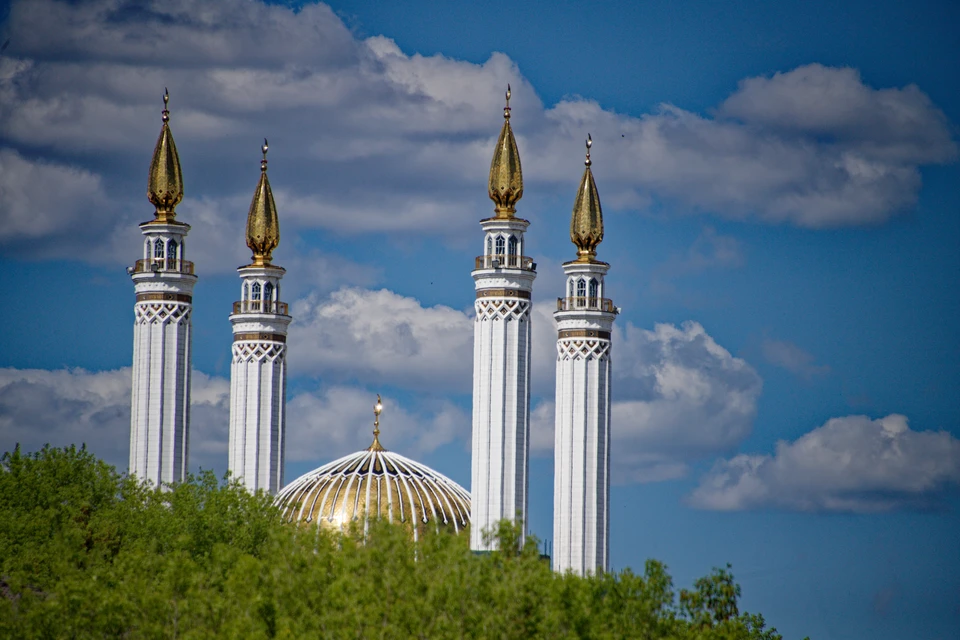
(172, 254)
(489, 245)
(581, 291)
(255, 296)
(512, 245)
(594, 285)
(500, 245)
(268, 297)
(158, 249)
(570, 293)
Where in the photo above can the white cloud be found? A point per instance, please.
(338, 420)
(367, 138)
(43, 202)
(382, 337)
(849, 464)
(902, 125)
(74, 406)
(681, 397)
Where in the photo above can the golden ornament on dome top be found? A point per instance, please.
(165, 184)
(505, 186)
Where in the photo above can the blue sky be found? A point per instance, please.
(780, 186)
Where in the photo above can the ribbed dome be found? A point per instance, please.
(374, 484)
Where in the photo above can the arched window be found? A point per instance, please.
(581, 288)
(172, 254)
(268, 295)
(489, 245)
(499, 245)
(512, 245)
(594, 285)
(255, 295)
(158, 249)
(570, 293)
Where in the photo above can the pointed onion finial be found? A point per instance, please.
(377, 408)
(165, 183)
(263, 224)
(586, 224)
(506, 177)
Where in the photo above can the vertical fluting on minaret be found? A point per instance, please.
(258, 372)
(503, 279)
(581, 498)
(163, 281)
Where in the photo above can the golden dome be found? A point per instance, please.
(165, 184)
(586, 223)
(263, 225)
(373, 484)
(505, 186)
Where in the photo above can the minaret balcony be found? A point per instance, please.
(160, 265)
(261, 306)
(578, 303)
(505, 261)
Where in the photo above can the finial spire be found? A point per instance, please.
(506, 178)
(263, 224)
(586, 224)
(377, 408)
(165, 184)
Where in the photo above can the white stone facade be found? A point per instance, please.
(160, 402)
(503, 281)
(258, 380)
(581, 520)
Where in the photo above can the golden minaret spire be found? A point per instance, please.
(586, 224)
(377, 408)
(506, 178)
(263, 226)
(165, 187)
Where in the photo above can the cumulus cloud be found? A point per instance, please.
(849, 464)
(681, 397)
(338, 420)
(368, 138)
(33, 212)
(381, 336)
(684, 397)
(74, 406)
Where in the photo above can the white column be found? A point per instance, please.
(581, 524)
(258, 380)
(160, 399)
(501, 379)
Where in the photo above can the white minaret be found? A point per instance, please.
(258, 373)
(163, 280)
(581, 494)
(501, 353)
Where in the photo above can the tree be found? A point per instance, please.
(87, 552)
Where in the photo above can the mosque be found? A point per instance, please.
(375, 482)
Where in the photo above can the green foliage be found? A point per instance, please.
(87, 553)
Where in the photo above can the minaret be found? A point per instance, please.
(581, 494)
(163, 280)
(501, 352)
(258, 373)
